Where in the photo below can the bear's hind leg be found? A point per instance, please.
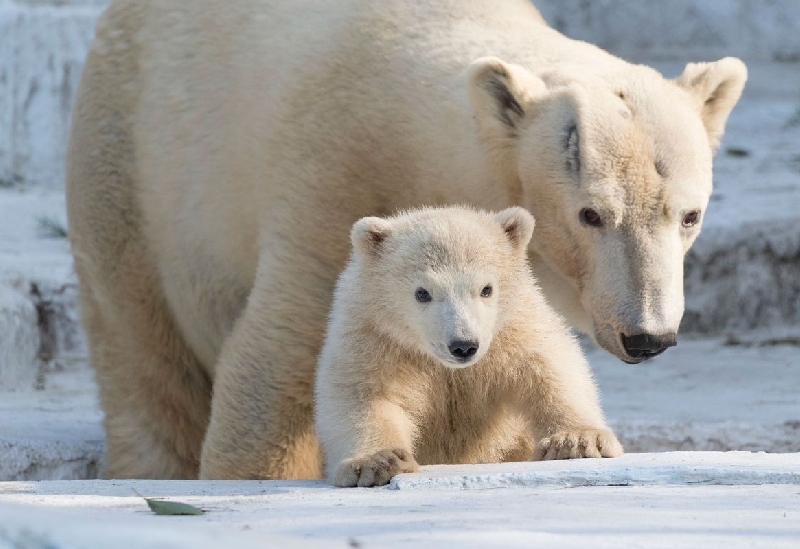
(154, 393)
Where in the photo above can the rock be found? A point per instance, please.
(32, 459)
(19, 340)
(743, 279)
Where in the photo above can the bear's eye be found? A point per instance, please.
(487, 291)
(422, 295)
(691, 218)
(591, 218)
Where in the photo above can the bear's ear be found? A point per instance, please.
(518, 225)
(716, 88)
(368, 236)
(500, 93)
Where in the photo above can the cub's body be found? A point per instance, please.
(395, 385)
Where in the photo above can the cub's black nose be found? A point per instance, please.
(644, 346)
(463, 350)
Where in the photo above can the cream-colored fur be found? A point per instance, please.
(390, 394)
(221, 152)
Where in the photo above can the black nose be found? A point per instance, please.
(463, 350)
(643, 346)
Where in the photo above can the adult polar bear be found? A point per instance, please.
(222, 150)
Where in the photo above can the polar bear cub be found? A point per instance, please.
(442, 349)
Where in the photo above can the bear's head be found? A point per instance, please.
(615, 164)
(441, 280)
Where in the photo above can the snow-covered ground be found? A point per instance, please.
(675, 501)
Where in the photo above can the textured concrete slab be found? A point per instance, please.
(61, 515)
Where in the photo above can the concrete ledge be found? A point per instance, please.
(671, 468)
(67, 514)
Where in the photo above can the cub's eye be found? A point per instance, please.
(487, 291)
(691, 218)
(591, 218)
(422, 295)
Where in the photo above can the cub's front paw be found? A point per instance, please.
(375, 470)
(580, 443)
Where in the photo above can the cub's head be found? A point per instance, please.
(441, 280)
(615, 164)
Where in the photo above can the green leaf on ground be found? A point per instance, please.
(162, 507)
(737, 152)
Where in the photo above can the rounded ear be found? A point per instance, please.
(716, 88)
(368, 235)
(500, 93)
(518, 224)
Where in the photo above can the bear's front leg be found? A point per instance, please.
(366, 440)
(565, 407)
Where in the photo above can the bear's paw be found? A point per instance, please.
(578, 443)
(375, 470)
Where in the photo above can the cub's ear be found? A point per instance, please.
(368, 235)
(500, 93)
(716, 88)
(518, 225)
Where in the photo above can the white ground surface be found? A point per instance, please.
(669, 500)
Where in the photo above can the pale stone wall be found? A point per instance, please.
(43, 43)
(758, 30)
(42, 48)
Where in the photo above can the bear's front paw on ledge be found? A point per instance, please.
(578, 443)
(375, 470)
